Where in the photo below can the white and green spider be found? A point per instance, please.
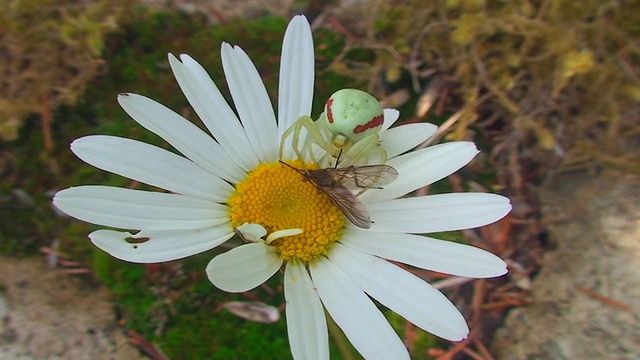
(347, 129)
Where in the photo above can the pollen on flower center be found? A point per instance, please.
(277, 197)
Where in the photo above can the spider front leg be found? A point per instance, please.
(314, 135)
(365, 148)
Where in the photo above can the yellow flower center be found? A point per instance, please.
(278, 197)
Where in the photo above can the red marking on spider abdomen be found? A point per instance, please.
(329, 112)
(376, 121)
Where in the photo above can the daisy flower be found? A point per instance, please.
(234, 179)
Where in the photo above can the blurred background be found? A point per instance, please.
(549, 90)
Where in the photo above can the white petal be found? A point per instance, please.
(278, 234)
(243, 268)
(251, 232)
(162, 246)
(295, 90)
(427, 253)
(357, 316)
(252, 102)
(423, 167)
(390, 117)
(435, 213)
(182, 135)
(137, 209)
(402, 292)
(213, 110)
(306, 324)
(403, 138)
(151, 165)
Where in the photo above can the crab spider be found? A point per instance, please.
(349, 126)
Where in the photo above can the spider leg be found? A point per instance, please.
(319, 136)
(284, 136)
(364, 187)
(364, 149)
(304, 149)
(304, 122)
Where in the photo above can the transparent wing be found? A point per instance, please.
(350, 205)
(364, 177)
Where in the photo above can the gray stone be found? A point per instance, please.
(51, 315)
(587, 295)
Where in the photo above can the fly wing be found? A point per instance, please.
(364, 177)
(350, 205)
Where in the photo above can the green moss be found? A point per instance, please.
(205, 335)
(18, 227)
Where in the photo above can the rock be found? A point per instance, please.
(587, 295)
(45, 314)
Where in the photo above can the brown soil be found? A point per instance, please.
(45, 314)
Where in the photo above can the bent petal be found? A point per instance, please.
(243, 268)
(183, 135)
(151, 165)
(390, 118)
(159, 246)
(137, 209)
(251, 232)
(403, 138)
(306, 324)
(436, 213)
(295, 89)
(404, 293)
(252, 102)
(423, 167)
(427, 253)
(357, 316)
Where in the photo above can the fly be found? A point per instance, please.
(337, 183)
